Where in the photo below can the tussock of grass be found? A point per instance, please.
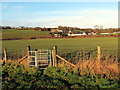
(107, 68)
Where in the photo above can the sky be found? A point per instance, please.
(53, 14)
(59, 0)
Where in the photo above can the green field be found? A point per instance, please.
(67, 47)
(110, 43)
(11, 34)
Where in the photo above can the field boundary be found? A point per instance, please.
(85, 36)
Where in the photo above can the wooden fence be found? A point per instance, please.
(55, 56)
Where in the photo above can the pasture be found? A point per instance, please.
(12, 34)
(66, 47)
(110, 43)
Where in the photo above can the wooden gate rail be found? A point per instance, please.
(65, 61)
(22, 58)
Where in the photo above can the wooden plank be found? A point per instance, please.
(65, 60)
(22, 58)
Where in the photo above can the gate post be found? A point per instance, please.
(54, 56)
(5, 54)
(36, 57)
(98, 59)
(28, 55)
(98, 48)
(28, 49)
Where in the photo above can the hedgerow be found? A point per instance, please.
(20, 77)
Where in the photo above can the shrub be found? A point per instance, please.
(20, 77)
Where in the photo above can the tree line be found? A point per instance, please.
(65, 29)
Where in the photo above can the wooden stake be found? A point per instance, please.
(98, 59)
(28, 53)
(99, 53)
(5, 54)
(28, 49)
(54, 56)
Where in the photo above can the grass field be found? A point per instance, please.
(69, 43)
(11, 34)
(67, 47)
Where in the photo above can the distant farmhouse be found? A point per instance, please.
(116, 32)
(61, 31)
(81, 33)
(20, 27)
(54, 29)
(105, 33)
(77, 34)
(56, 32)
(91, 33)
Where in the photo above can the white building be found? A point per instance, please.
(105, 33)
(76, 34)
(116, 32)
(93, 33)
(60, 30)
(56, 35)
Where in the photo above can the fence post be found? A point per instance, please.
(28, 49)
(54, 56)
(98, 48)
(5, 54)
(36, 63)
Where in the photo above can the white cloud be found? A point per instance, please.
(85, 18)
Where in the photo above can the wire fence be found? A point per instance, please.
(79, 55)
(14, 54)
(92, 54)
(111, 55)
(73, 56)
